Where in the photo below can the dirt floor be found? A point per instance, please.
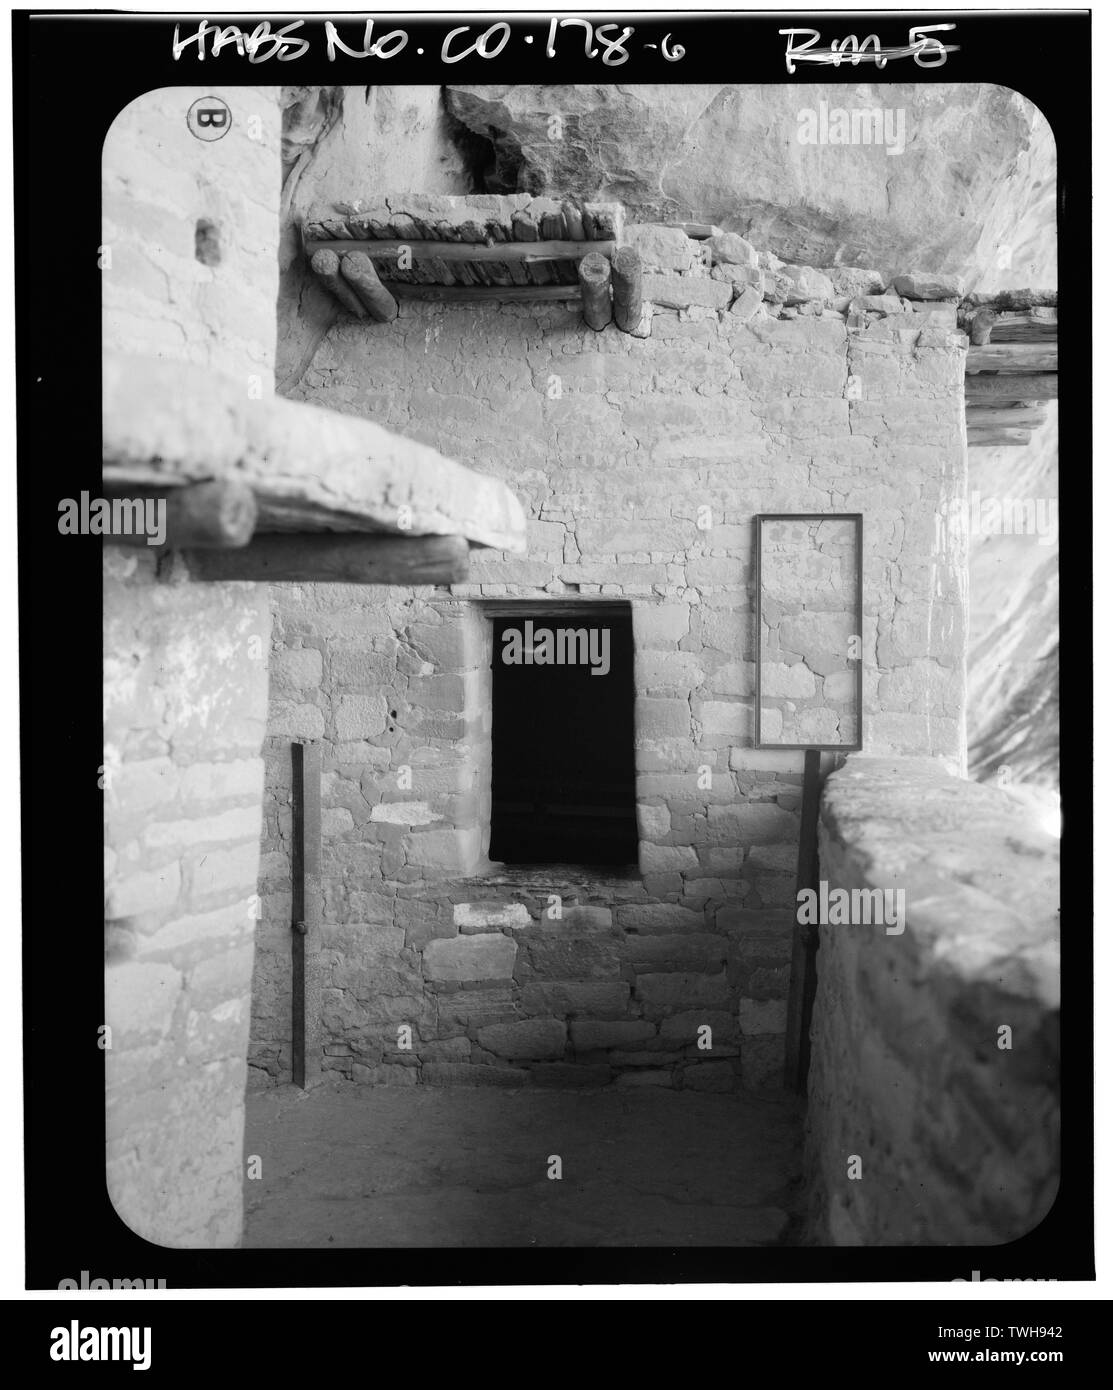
(346, 1165)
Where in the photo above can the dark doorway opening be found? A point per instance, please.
(563, 736)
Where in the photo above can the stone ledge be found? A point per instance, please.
(170, 423)
(981, 877)
(934, 1047)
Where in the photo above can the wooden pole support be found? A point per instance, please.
(338, 559)
(305, 864)
(1012, 386)
(484, 294)
(626, 278)
(595, 290)
(988, 438)
(525, 247)
(1013, 357)
(356, 268)
(805, 938)
(326, 266)
(989, 416)
(215, 515)
(980, 326)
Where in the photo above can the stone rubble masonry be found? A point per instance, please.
(185, 688)
(185, 683)
(641, 462)
(958, 1136)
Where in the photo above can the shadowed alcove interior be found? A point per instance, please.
(563, 737)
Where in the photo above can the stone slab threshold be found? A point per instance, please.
(413, 1167)
(311, 470)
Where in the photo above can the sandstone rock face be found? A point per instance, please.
(339, 144)
(975, 159)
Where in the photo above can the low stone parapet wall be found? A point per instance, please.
(933, 1112)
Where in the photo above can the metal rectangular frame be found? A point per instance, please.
(859, 524)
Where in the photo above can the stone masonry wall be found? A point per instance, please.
(809, 621)
(641, 460)
(935, 1049)
(190, 230)
(185, 686)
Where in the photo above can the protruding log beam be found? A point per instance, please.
(573, 220)
(524, 226)
(1035, 325)
(338, 559)
(325, 265)
(996, 438)
(485, 294)
(1012, 386)
(1013, 357)
(216, 515)
(357, 269)
(980, 326)
(626, 279)
(1016, 300)
(595, 290)
(1025, 417)
(523, 249)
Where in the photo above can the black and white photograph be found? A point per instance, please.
(578, 565)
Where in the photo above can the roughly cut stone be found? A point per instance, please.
(684, 291)
(659, 917)
(747, 305)
(923, 285)
(794, 682)
(662, 859)
(663, 994)
(754, 823)
(384, 1075)
(661, 248)
(603, 999)
(729, 247)
(877, 304)
(552, 957)
(532, 1038)
(471, 916)
(806, 283)
(589, 1036)
(579, 919)
(694, 951)
(483, 957)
